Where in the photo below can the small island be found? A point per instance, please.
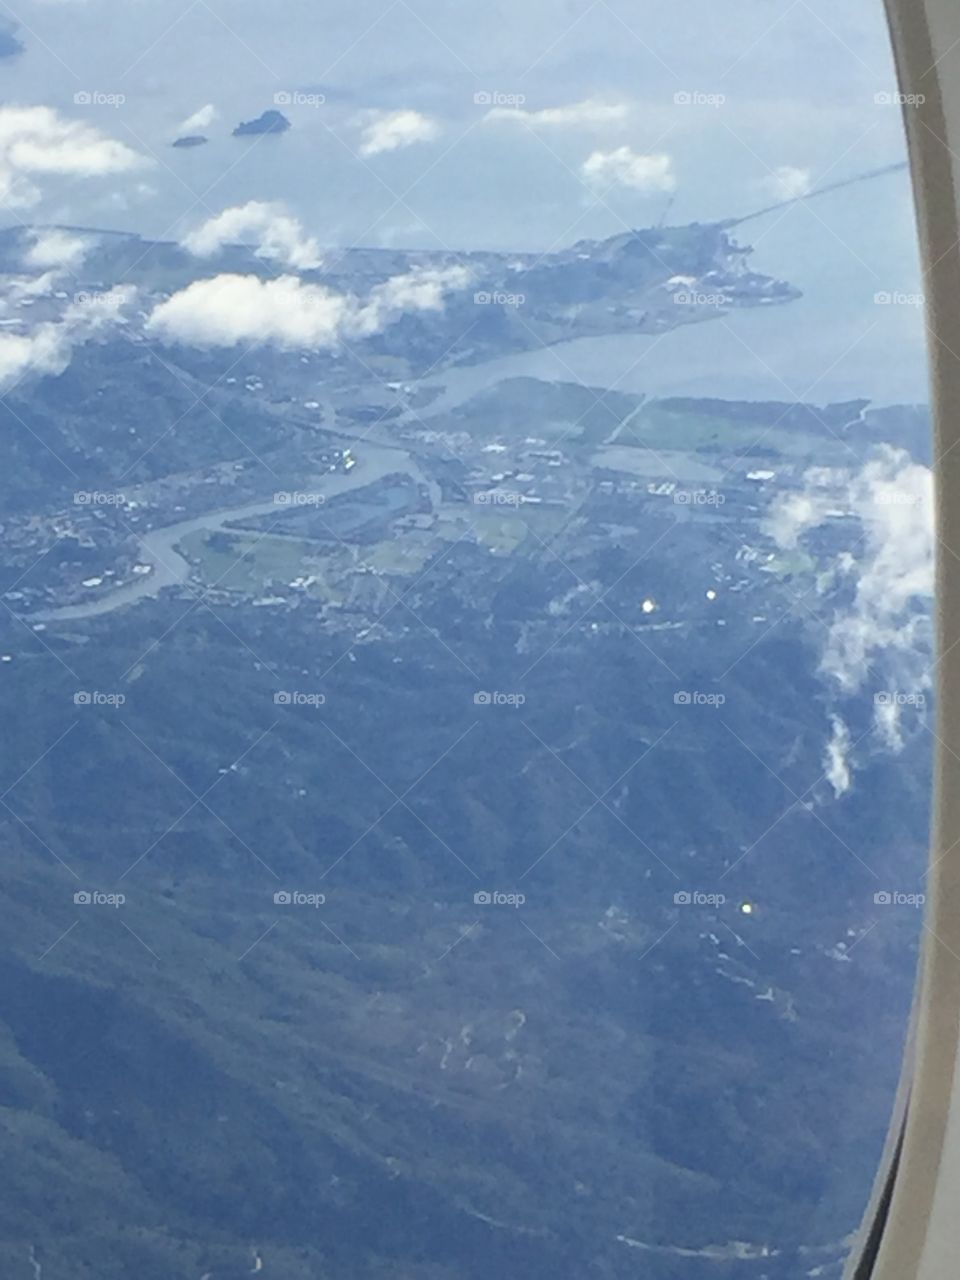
(191, 140)
(269, 122)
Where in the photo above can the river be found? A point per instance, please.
(169, 568)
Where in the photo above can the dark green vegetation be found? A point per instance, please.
(134, 416)
(524, 406)
(352, 1089)
(491, 697)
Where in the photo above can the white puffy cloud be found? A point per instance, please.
(825, 493)
(279, 236)
(53, 253)
(48, 348)
(53, 249)
(625, 167)
(886, 719)
(391, 130)
(591, 111)
(889, 574)
(879, 628)
(38, 141)
(292, 314)
(201, 119)
(836, 765)
(789, 183)
(422, 289)
(15, 288)
(233, 308)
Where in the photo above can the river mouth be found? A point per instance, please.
(805, 351)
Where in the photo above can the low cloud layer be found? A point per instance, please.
(589, 112)
(292, 314)
(278, 236)
(48, 348)
(56, 250)
(878, 636)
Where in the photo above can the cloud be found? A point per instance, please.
(56, 249)
(422, 289)
(279, 236)
(292, 314)
(624, 167)
(836, 765)
(879, 628)
(591, 111)
(38, 141)
(232, 308)
(49, 348)
(886, 719)
(391, 130)
(889, 575)
(788, 183)
(200, 120)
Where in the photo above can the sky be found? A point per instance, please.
(504, 125)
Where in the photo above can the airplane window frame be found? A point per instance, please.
(911, 1227)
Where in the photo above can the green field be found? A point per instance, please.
(407, 554)
(660, 425)
(504, 530)
(549, 410)
(249, 562)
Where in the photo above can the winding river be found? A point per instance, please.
(169, 568)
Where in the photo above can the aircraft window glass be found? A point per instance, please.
(466, 649)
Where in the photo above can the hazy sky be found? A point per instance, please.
(603, 112)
